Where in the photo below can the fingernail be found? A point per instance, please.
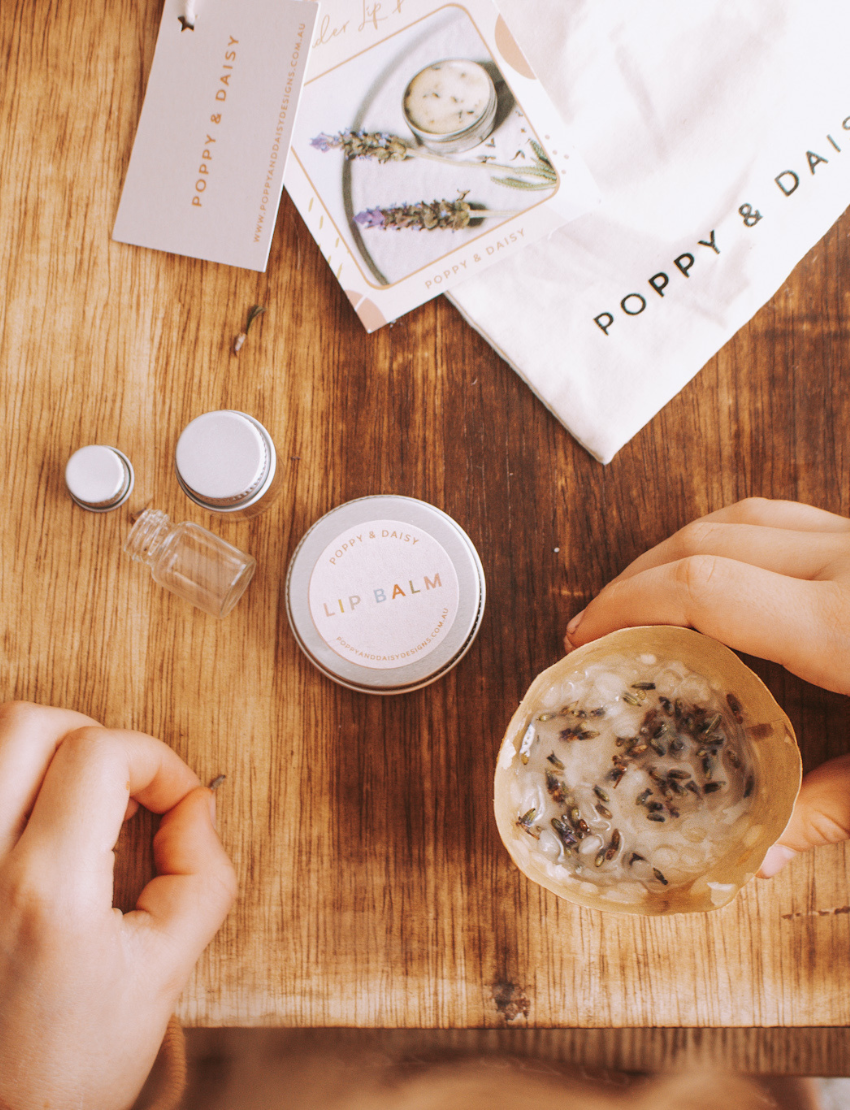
(574, 623)
(775, 860)
(212, 807)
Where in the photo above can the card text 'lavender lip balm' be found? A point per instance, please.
(385, 594)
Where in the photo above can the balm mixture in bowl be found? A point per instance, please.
(451, 105)
(635, 777)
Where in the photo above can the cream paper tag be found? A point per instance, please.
(206, 171)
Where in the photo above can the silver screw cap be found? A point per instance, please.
(99, 478)
(224, 460)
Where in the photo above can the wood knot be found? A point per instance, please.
(511, 1001)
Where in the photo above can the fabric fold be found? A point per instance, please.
(719, 135)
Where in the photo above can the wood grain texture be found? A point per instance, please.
(374, 890)
(216, 1054)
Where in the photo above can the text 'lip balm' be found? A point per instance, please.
(385, 594)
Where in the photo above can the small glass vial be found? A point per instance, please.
(99, 478)
(226, 462)
(191, 562)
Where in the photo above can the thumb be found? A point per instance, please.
(195, 884)
(821, 815)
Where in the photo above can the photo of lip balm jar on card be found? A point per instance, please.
(647, 772)
(450, 105)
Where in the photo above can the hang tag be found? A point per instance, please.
(206, 171)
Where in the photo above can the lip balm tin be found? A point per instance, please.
(467, 135)
(99, 478)
(385, 594)
(226, 462)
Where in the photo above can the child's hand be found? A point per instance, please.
(821, 815)
(86, 992)
(770, 578)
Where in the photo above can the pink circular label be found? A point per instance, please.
(383, 594)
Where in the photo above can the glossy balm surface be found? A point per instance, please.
(638, 778)
(646, 772)
(448, 96)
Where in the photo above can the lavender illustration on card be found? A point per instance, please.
(451, 215)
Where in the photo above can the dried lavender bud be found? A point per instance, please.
(379, 146)
(424, 215)
(556, 788)
(712, 787)
(564, 832)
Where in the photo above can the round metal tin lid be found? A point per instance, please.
(223, 459)
(99, 478)
(385, 594)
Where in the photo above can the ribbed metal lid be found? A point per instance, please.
(224, 460)
(385, 594)
(99, 478)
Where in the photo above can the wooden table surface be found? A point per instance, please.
(374, 888)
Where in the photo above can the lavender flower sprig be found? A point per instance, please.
(540, 168)
(445, 215)
(381, 146)
(377, 145)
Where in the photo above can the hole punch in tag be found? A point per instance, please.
(187, 17)
(206, 170)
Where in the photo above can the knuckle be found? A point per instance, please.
(694, 575)
(26, 899)
(87, 742)
(830, 828)
(695, 537)
(227, 881)
(751, 509)
(19, 713)
(830, 611)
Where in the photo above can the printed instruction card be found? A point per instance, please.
(206, 171)
(425, 149)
